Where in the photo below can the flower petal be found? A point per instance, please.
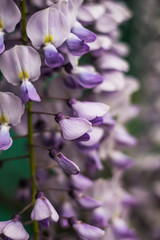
(41, 210)
(89, 110)
(76, 46)
(10, 14)
(67, 165)
(88, 232)
(5, 139)
(83, 33)
(3, 224)
(53, 59)
(48, 23)
(15, 230)
(19, 63)
(28, 92)
(2, 46)
(11, 107)
(73, 128)
(54, 214)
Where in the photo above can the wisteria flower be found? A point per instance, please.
(121, 229)
(11, 110)
(21, 65)
(13, 229)
(92, 111)
(74, 128)
(84, 77)
(10, 15)
(86, 231)
(43, 210)
(67, 165)
(53, 31)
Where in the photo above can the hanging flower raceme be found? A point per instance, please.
(74, 129)
(53, 31)
(11, 110)
(43, 210)
(9, 17)
(21, 65)
(13, 229)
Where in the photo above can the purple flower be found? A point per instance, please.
(86, 202)
(123, 138)
(121, 160)
(13, 229)
(87, 232)
(89, 110)
(43, 210)
(95, 137)
(21, 64)
(87, 77)
(121, 229)
(113, 81)
(83, 33)
(74, 128)
(11, 110)
(10, 15)
(80, 182)
(101, 25)
(67, 165)
(53, 31)
(110, 61)
(76, 46)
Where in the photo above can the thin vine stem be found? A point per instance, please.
(14, 158)
(32, 163)
(45, 113)
(30, 127)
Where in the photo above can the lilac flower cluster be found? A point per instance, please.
(76, 116)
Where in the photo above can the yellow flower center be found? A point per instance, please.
(1, 24)
(3, 119)
(23, 75)
(48, 39)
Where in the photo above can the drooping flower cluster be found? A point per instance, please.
(78, 116)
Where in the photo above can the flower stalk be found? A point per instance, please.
(30, 127)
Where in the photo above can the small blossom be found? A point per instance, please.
(83, 33)
(121, 229)
(21, 64)
(86, 231)
(89, 110)
(43, 210)
(53, 32)
(80, 182)
(13, 229)
(120, 160)
(10, 15)
(67, 165)
(11, 110)
(86, 202)
(74, 128)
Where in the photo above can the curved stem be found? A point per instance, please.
(45, 113)
(32, 163)
(25, 208)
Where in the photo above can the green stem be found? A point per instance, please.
(23, 23)
(30, 127)
(14, 158)
(32, 163)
